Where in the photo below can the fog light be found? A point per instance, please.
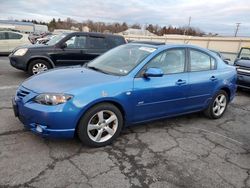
(39, 129)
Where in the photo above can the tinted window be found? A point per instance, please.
(200, 61)
(76, 42)
(97, 43)
(2, 36)
(245, 53)
(14, 36)
(115, 41)
(170, 61)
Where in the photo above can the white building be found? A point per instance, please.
(137, 32)
(24, 27)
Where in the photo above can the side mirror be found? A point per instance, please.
(153, 72)
(64, 45)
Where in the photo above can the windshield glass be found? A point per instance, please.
(56, 39)
(245, 53)
(121, 60)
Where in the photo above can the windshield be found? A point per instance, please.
(245, 53)
(56, 39)
(121, 60)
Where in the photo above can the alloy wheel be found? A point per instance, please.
(219, 104)
(102, 126)
(38, 68)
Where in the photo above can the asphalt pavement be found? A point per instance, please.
(187, 151)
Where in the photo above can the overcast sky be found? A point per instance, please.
(217, 16)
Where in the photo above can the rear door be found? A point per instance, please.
(96, 45)
(202, 78)
(73, 53)
(14, 40)
(4, 46)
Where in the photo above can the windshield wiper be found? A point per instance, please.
(97, 69)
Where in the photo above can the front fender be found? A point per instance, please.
(40, 57)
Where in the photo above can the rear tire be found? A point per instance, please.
(218, 105)
(100, 125)
(37, 66)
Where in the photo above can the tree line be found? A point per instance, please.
(117, 27)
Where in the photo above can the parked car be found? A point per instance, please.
(242, 64)
(9, 40)
(66, 49)
(33, 37)
(129, 84)
(45, 39)
(226, 60)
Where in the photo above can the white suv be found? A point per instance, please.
(9, 40)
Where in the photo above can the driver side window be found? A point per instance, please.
(76, 42)
(170, 61)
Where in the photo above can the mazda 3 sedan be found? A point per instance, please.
(127, 85)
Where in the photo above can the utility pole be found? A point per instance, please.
(237, 29)
(189, 22)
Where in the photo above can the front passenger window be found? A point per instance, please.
(170, 61)
(76, 42)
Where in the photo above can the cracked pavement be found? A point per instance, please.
(186, 151)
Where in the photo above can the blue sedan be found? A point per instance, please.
(130, 84)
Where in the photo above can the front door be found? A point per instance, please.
(156, 97)
(73, 53)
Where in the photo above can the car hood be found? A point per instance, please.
(32, 46)
(243, 63)
(66, 79)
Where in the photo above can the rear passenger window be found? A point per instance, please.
(200, 61)
(97, 43)
(14, 36)
(116, 41)
(2, 35)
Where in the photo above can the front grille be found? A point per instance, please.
(21, 93)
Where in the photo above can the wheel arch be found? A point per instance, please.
(42, 58)
(227, 90)
(111, 101)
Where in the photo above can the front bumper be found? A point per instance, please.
(243, 81)
(18, 62)
(48, 121)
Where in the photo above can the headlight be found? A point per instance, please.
(52, 98)
(21, 52)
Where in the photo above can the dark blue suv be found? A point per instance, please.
(242, 64)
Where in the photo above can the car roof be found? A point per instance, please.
(94, 34)
(149, 42)
(172, 45)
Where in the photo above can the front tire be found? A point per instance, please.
(218, 105)
(37, 66)
(100, 125)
